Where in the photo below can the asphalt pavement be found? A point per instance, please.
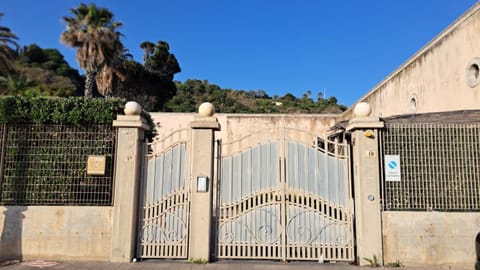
(182, 265)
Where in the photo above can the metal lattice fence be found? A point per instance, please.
(46, 164)
(440, 167)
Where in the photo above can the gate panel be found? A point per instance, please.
(249, 213)
(319, 220)
(163, 231)
(284, 197)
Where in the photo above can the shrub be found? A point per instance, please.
(51, 110)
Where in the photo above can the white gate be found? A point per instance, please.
(285, 194)
(164, 217)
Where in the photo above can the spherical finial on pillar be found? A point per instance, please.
(206, 109)
(362, 109)
(132, 108)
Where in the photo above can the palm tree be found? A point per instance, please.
(7, 39)
(93, 31)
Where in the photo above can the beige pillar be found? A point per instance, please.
(202, 158)
(366, 177)
(129, 154)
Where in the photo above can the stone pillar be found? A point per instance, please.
(202, 158)
(366, 178)
(129, 157)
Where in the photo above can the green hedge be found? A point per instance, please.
(68, 111)
(73, 110)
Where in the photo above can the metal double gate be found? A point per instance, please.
(285, 194)
(281, 194)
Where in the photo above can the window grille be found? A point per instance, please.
(440, 167)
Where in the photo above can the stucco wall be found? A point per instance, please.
(55, 232)
(235, 126)
(436, 75)
(168, 122)
(430, 238)
(238, 126)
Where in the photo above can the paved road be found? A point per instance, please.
(175, 265)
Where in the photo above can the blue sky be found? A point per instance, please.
(342, 48)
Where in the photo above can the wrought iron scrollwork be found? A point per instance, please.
(263, 233)
(307, 233)
(170, 229)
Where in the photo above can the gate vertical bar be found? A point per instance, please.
(217, 192)
(142, 196)
(282, 187)
(2, 157)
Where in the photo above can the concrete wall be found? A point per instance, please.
(430, 238)
(238, 126)
(55, 232)
(235, 126)
(436, 76)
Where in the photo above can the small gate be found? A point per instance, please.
(285, 194)
(164, 217)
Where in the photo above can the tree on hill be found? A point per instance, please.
(38, 71)
(158, 59)
(192, 93)
(7, 53)
(32, 59)
(93, 31)
(150, 84)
